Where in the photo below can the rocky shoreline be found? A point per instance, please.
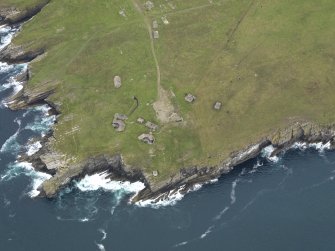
(49, 161)
(14, 16)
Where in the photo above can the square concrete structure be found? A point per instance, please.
(155, 24)
(117, 81)
(140, 120)
(147, 138)
(151, 126)
(190, 98)
(155, 34)
(148, 5)
(217, 105)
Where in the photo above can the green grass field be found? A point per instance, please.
(270, 63)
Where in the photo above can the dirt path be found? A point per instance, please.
(163, 106)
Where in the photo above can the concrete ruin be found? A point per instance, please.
(175, 117)
(151, 126)
(119, 122)
(217, 105)
(165, 21)
(119, 125)
(147, 138)
(140, 120)
(117, 82)
(155, 34)
(190, 98)
(148, 5)
(122, 12)
(155, 24)
(120, 116)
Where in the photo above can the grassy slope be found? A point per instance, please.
(19, 3)
(269, 62)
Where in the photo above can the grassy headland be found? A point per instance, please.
(270, 63)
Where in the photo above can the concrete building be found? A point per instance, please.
(217, 105)
(155, 34)
(147, 138)
(190, 98)
(151, 126)
(155, 24)
(117, 81)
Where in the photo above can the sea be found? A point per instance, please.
(268, 203)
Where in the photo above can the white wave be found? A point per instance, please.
(266, 153)
(4, 29)
(219, 216)
(41, 124)
(11, 145)
(7, 36)
(213, 181)
(104, 234)
(6, 202)
(113, 209)
(255, 167)
(195, 187)
(181, 244)
(38, 179)
(44, 109)
(33, 148)
(208, 231)
(233, 191)
(300, 145)
(100, 181)
(167, 199)
(14, 84)
(4, 67)
(85, 219)
(100, 246)
(320, 146)
(24, 168)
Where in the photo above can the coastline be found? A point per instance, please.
(43, 160)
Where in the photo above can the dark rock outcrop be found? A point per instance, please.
(18, 54)
(11, 16)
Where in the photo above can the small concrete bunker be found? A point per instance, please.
(147, 138)
(117, 82)
(217, 105)
(155, 34)
(151, 126)
(190, 98)
(119, 122)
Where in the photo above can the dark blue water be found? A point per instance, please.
(261, 205)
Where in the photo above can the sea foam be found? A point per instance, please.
(24, 168)
(4, 67)
(33, 148)
(319, 146)
(6, 33)
(11, 145)
(169, 198)
(41, 124)
(266, 153)
(100, 181)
